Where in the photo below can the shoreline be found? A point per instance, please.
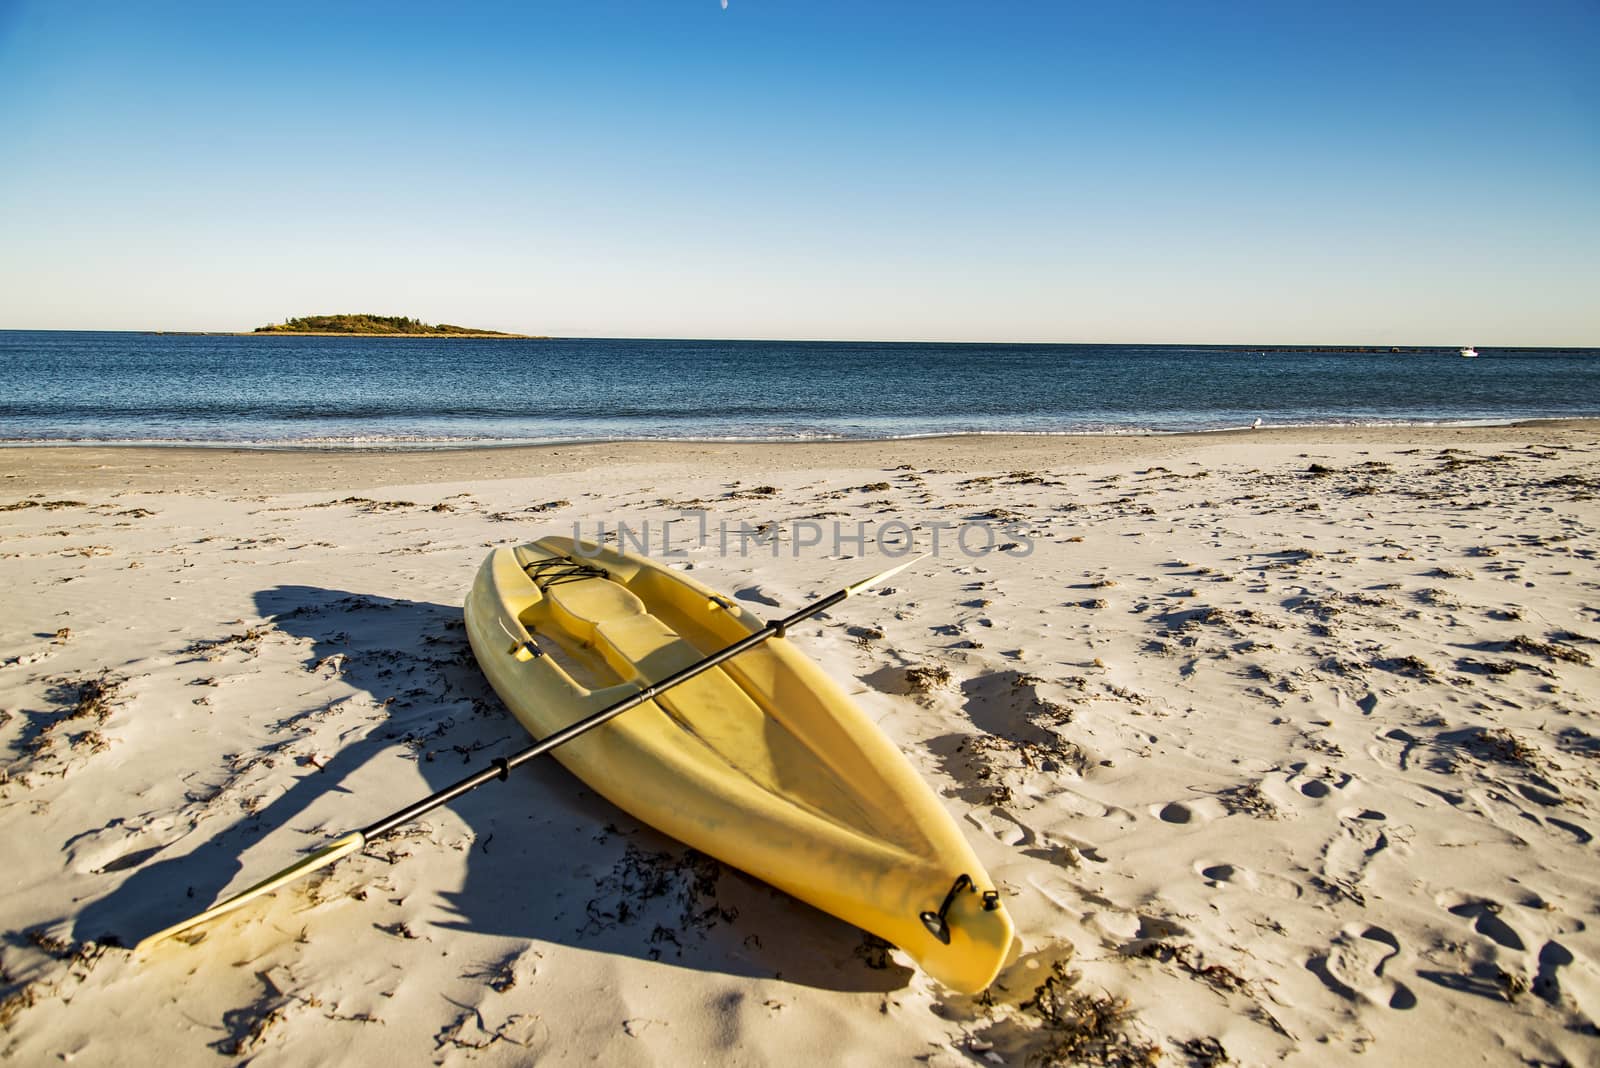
(423, 444)
(41, 468)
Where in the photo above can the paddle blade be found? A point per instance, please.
(320, 859)
(867, 584)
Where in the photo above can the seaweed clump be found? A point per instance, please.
(1552, 650)
(88, 700)
(1082, 1028)
(928, 678)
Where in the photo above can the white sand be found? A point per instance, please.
(1254, 748)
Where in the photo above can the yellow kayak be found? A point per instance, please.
(762, 762)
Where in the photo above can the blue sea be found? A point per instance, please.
(58, 386)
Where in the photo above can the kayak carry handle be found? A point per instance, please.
(935, 922)
(524, 648)
(938, 924)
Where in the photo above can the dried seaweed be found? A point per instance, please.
(1551, 650)
(641, 881)
(1085, 1028)
(1248, 799)
(927, 678)
(1190, 959)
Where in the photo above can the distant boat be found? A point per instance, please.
(1469, 352)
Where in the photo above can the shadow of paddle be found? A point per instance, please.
(549, 861)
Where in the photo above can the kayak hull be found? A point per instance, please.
(763, 762)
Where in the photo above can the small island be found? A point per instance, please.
(375, 326)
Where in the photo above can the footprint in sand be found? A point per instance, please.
(1372, 815)
(1487, 919)
(1307, 787)
(1003, 826)
(1501, 809)
(1577, 830)
(1566, 977)
(1394, 747)
(1180, 813)
(1354, 967)
(1361, 838)
(1220, 874)
(1078, 804)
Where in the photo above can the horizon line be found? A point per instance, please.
(513, 336)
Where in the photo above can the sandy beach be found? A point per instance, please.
(1282, 747)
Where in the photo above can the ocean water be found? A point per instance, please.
(131, 387)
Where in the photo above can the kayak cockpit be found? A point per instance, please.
(608, 637)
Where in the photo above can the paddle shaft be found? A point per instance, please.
(502, 767)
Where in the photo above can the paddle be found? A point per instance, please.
(501, 767)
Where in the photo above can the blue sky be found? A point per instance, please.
(1386, 173)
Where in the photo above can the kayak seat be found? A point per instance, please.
(581, 606)
(643, 646)
(608, 616)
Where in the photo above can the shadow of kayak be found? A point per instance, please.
(550, 861)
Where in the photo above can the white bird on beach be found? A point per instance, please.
(1257, 424)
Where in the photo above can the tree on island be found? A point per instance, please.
(368, 324)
